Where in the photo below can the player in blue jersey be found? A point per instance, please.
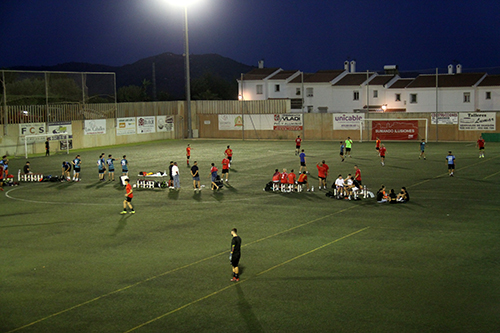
(342, 151)
(422, 149)
(124, 164)
(77, 162)
(111, 167)
(101, 167)
(450, 160)
(302, 156)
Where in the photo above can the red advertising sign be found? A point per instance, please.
(395, 130)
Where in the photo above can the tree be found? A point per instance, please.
(213, 87)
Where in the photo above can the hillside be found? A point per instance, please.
(169, 70)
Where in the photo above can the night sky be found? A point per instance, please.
(307, 35)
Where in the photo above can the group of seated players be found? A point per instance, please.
(288, 181)
(392, 197)
(347, 188)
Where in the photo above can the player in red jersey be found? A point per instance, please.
(321, 175)
(303, 180)
(188, 154)
(229, 153)
(480, 145)
(225, 168)
(276, 180)
(357, 178)
(382, 151)
(283, 180)
(377, 145)
(128, 198)
(298, 142)
(292, 178)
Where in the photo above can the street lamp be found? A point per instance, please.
(186, 3)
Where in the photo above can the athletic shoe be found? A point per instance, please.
(132, 212)
(235, 280)
(123, 212)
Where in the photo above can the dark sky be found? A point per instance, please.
(308, 35)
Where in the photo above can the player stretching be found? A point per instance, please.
(188, 154)
(422, 149)
(298, 141)
(450, 160)
(234, 256)
(480, 145)
(128, 198)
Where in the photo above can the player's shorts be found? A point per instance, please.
(101, 171)
(481, 148)
(230, 158)
(297, 147)
(111, 170)
(341, 153)
(129, 199)
(301, 183)
(382, 156)
(322, 178)
(225, 171)
(357, 183)
(377, 148)
(188, 156)
(302, 163)
(348, 149)
(77, 170)
(197, 178)
(214, 178)
(124, 170)
(235, 260)
(451, 166)
(422, 150)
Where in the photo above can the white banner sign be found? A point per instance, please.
(288, 122)
(60, 128)
(477, 121)
(164, 123)
(234, 122)
(445, 118)
(146, 125)
(95, 126)
(32, 129)
(125, 126)
(347, 121)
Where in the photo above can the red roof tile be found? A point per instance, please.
(490, 81)
(259, 73)
(446, 80)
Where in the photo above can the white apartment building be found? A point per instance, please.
(346, 90)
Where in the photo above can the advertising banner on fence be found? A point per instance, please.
(477, 121)
(146, 125)
(347, 121)
(288, 122)
(234, 122)
(395, 130)
(95, 126)
(125, 126)
(32, 129)
(445, 118)
(164, 123)
(59, 128)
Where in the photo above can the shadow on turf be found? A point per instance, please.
(247, 313)
(122, 223)
(173, 194)
(197, 196)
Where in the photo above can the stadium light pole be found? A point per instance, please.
(185, 4)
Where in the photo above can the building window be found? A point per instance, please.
(488, 95)
(276, 87)
(413, 98)
(297, 91)
(259, 89)
(466, 97)
(398, 97)
(355, 96)
(310, 92)
(375, 94)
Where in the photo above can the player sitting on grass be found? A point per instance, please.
(302, 181)
(292, 181)
(381, 196)
(403, 196)
(392, 198)
(350, 188)
(276, 180)
(339, 187)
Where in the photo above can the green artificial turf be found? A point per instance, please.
(72, 263)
